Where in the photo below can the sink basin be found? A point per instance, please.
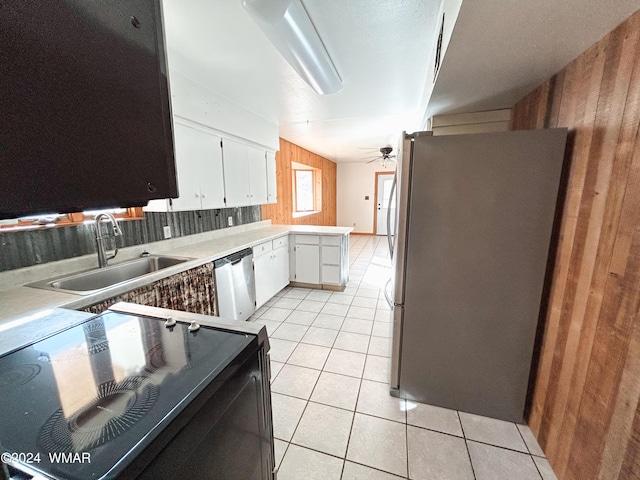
(91, 281)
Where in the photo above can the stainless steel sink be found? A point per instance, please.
(88, 282)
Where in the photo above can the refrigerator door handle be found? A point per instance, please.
(389, 233)
(386, 293)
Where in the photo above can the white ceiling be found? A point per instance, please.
(501, 49)
(382, 48)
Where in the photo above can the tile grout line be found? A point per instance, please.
(406, 429)
(526, 445)
(307, 402)
(353, 419)
(361, 379)
(466, 445)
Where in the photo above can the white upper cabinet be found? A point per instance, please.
(257, 176)
(272, 193)
(199, 170)
(235, 156)
(245, 174)
(234, 175)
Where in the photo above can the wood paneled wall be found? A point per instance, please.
(282, 212)
(585, 410)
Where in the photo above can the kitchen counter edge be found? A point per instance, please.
(19, 302)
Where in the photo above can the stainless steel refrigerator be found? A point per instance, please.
(473, 222)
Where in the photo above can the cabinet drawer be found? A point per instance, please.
(281, 242)
(331, 274)
(307, 240)
(262, 248)
(331, 240)
(330, 255)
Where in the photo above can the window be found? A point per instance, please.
(304, 190)
(307, 189)
(36, 222)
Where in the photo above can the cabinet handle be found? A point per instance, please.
(197, 195)
(204, 195)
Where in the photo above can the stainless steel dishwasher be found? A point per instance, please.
(235, 285)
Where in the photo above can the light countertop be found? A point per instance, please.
(19, 304)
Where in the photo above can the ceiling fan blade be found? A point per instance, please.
(373, 160)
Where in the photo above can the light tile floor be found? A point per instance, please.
(332, 413)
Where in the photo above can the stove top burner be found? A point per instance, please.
(19, 375)
(118, 406)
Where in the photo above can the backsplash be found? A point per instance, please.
(27, 248)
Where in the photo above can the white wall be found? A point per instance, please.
(354, 182)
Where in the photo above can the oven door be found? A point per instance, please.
(225, 433)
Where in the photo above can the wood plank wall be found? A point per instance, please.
(585, 410)
(282, 212)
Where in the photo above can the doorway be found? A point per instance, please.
(383, 196)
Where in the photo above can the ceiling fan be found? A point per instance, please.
(385, 158)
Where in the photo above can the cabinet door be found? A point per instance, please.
(263, 272)
(272, 190)
(257, 176)
(307, 264)
(211, 173)
(191, 152)
(280, 268)
(235, 158)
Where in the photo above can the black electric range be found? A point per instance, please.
(83, 403)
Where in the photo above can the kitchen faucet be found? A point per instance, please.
(102, 256)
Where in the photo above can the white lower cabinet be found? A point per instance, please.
(271, 268)
(281, 268)
(307, 269)
(315, 260)
(262, 274)
(320, 260)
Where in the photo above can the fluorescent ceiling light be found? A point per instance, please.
(288, 26)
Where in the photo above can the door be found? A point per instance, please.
(383, 196)
(264, 278)
(235, 158)
(191, 152)
(308, 264)
(280, 268)
(272, 194)
(257, 175)
(210, 172)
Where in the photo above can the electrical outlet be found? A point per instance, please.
(230, 221)
(167, 231)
